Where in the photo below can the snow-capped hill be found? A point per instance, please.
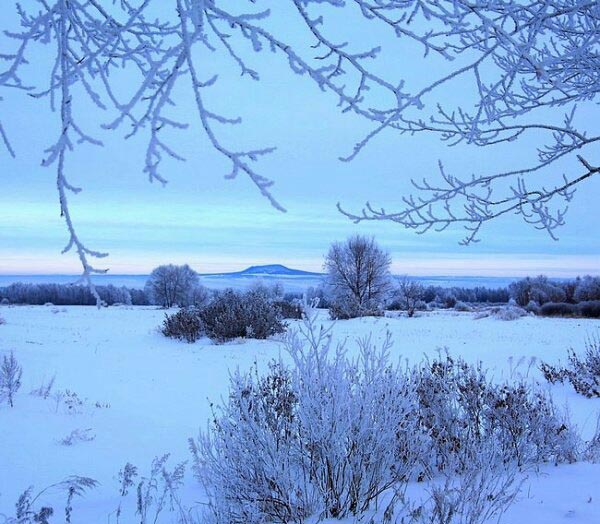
(275, 270)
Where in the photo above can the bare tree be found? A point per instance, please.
(171, 285)
(524, 62)
(358, 276)
(10, 378)
(409, 293)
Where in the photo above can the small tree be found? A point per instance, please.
(358, 277)
(409, 293)
(10, 378)
(169, 285)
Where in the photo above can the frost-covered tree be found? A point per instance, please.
(587, 288)
(171, 285)
(358, 276)
(408, 294)
(10, 378)
(522, 68)
(539, 289)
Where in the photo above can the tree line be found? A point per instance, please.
(358, 283)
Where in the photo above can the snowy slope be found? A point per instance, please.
(158, 391)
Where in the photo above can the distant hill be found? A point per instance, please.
(271, 270)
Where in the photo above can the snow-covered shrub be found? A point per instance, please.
(233, 314)
(10, 378)
(528, 427)
(540, 289)
(460, 409)
(449, 300)
(461, 306)
(592, 449)
(558, 309)
(4, 302)
(290, 309)
(325, 438)
(583, 372)
(589, 309)
(507, 313)
(186, 325)
(421, 305)
(553, 374)
(587, 289)
(344, 309)
(533, 307)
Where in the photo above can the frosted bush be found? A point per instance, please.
(290, 309)
(583, 372)
(329, 436)
(186, 325)
(506, 313)
(461, 306)
(460, 410)
(232, 314)
(325, 438)
(10, 378)
(533, 307)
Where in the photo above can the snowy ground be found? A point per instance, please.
(144, 395)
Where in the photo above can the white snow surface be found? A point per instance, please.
(154, 393)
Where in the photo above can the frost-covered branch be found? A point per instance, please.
(517, 66)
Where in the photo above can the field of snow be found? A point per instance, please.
(143, 395)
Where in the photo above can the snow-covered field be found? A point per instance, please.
(143, 395)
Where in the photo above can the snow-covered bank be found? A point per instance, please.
(143, 395)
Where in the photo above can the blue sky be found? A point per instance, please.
(219, 225)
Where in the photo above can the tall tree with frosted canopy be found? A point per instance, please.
(528, 69)
(171, 285)
(358, 276)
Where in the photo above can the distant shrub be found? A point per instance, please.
(558, 309)
(233, 314)
(339, 311)
(186, 325)
(449, 301)
(533, 307)
(461, 306)
(421, 305)
(506, 313)
(589, 309)
(583, 372)
(5, 301)
(10, 378)
(290, 309)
